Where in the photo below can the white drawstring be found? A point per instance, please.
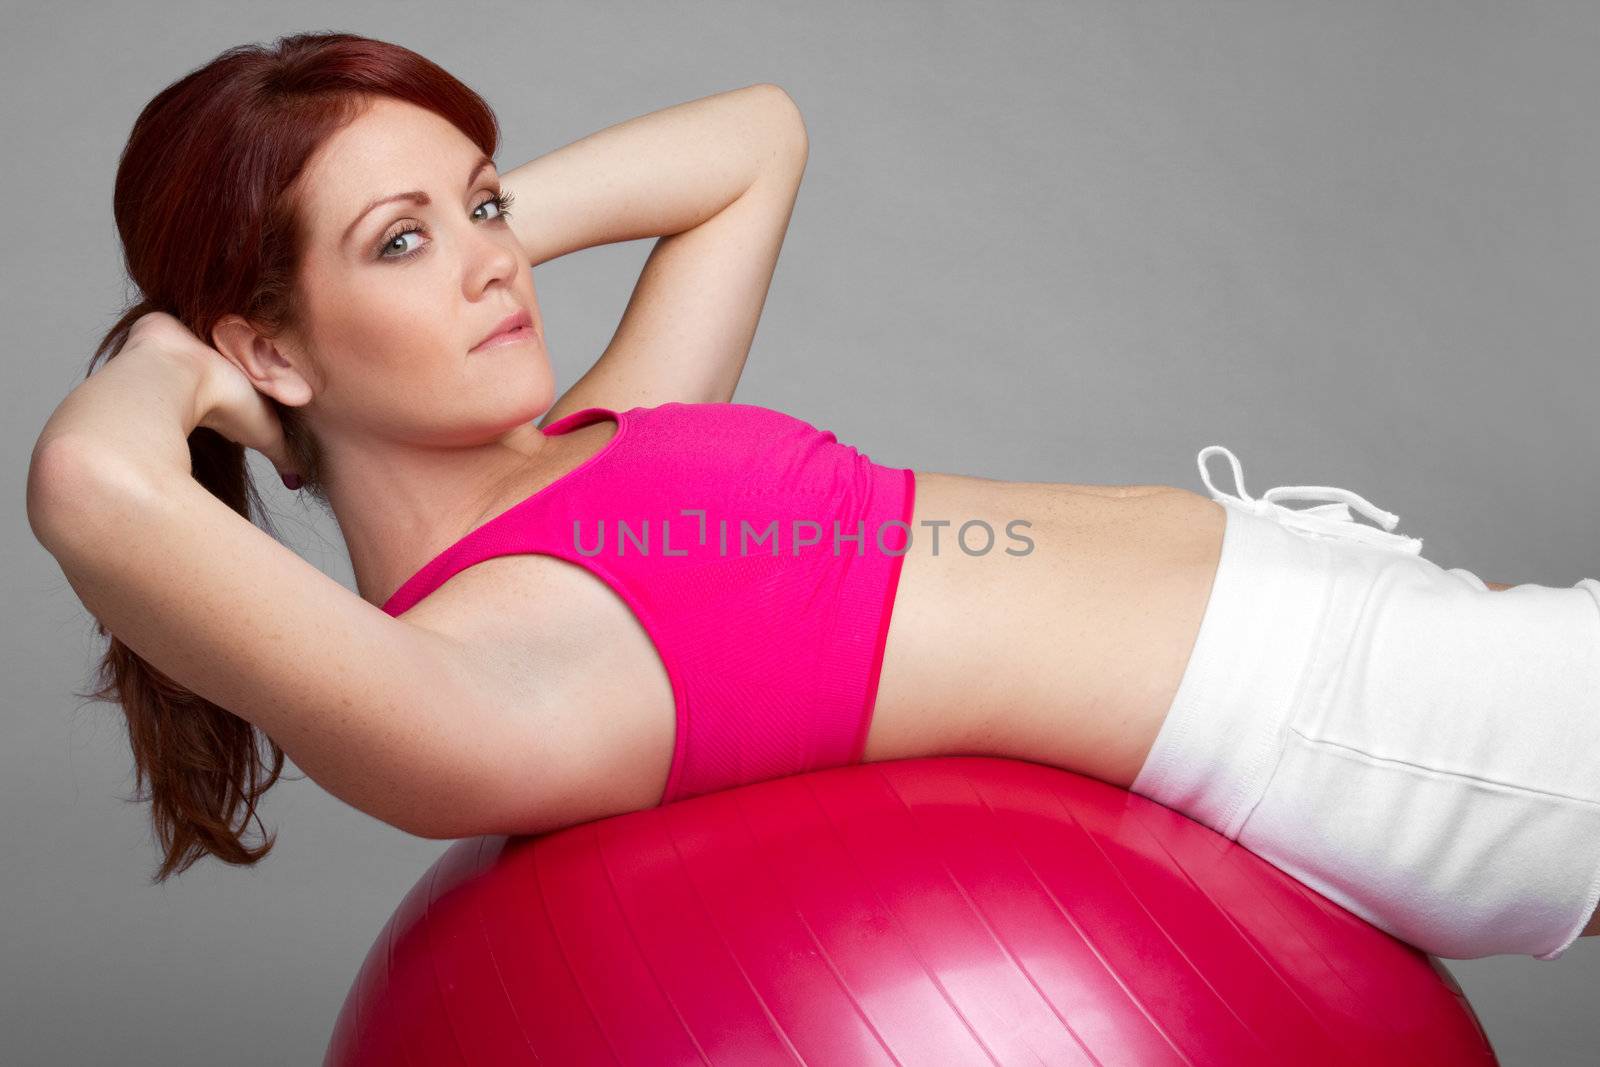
(1325, 520)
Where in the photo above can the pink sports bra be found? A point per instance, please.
(759, 554)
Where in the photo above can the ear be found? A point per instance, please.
(262, 359)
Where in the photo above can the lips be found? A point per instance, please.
(511, 328)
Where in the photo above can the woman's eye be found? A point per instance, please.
(390, 242)
(501, 202)
(494, 202)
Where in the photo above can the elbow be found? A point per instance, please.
(47, 469)
(788, 120)
(78, 497)
(450, 819)
(59, 491)
(433, 821)
(432, 826)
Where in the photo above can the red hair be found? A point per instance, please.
(206, 210)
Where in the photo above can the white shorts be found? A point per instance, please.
(1418, 748)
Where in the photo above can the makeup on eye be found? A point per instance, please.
(501, 199)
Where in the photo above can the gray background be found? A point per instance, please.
(1357, 243)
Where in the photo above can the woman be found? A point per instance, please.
(331, 276)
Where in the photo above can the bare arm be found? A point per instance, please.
(716, 180)
(386, 715)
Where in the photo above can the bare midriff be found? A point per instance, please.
(1068, 653)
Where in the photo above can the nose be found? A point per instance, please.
(492, 256)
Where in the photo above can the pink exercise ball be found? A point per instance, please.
(926, 912)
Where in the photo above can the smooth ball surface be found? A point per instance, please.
(936, 911)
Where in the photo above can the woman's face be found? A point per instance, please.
(395, 298)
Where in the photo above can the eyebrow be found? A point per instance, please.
(415, 195)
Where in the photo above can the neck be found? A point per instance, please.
(398, 505)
